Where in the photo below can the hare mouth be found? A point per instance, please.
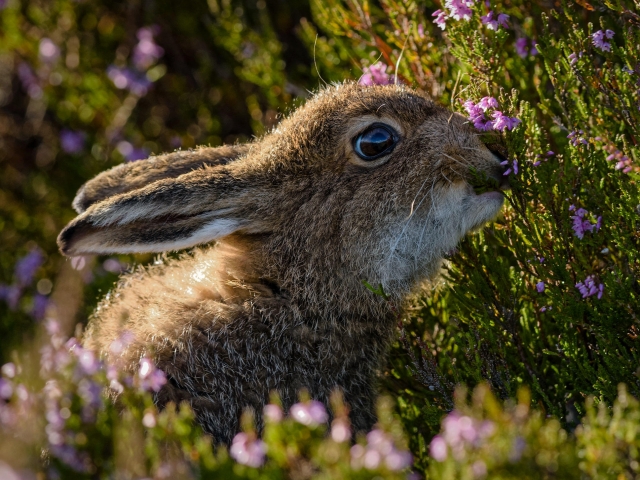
(482, 182)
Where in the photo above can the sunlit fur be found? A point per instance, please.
(277, 302)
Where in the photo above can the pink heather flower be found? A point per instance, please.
(247, 452)
(48, 50)
(6, 389)
(9, 370)
(87, 361)
(441, 18)
(490, 21)
(459, 9)
(151, 378)
(589, 288)
(376, 74)
(479, 469)
(273, 413)
(521, 47)
(581, 225)
(502, 122)
(540, 287)
(487, 102)
(146, 52)
(149, 420)
(340, 431)
(311, 414)
(512, 122)
(438, 449)
(598, 39)
(397, 460)
(78, 263)
(379, 449)
(420, 30)
(121, 343)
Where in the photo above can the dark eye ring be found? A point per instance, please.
(376, 141)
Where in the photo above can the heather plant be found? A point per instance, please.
(537, 314)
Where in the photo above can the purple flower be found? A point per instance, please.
(311, 414)
(589, 287)
(151, 378)
(29, 81)
(540, 287)
(575, 138)
(376, 74)
(39, 308)
(438, 448)
(131, 153)
(493, 21)
(598, 39)
(136, 82)
(441, 18)
(11, 294)
(273, 413)
(89, 392)
(521, 47)
(397, 460)
(6, 389)
(534, 48)
(490, 21)
(72, 142)
(246, 451)
(121, 343)
(48, 50)
(27, 266)
(340, 430)
(114, 265)
(87, 361)
(513, 167)
(9, 370)
(459, 9)
(146, 52)
(581, 224)
(486, 103)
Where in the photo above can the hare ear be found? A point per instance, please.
(134, 175)
(169, 214)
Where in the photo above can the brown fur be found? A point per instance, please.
(300, 221)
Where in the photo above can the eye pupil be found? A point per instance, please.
(374, 142)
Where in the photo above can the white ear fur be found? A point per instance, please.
(170, 214)
(208, 232)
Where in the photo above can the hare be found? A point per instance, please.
(360, 183)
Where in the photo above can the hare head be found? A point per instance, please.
(361, 183)
(364, 183)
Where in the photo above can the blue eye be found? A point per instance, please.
(377, 140)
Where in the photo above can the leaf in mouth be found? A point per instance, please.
(481, 182)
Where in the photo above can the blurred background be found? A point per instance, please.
(88, 84)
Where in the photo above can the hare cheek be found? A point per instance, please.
(480, 209)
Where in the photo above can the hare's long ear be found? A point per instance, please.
(169, 214)
(134, 175)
